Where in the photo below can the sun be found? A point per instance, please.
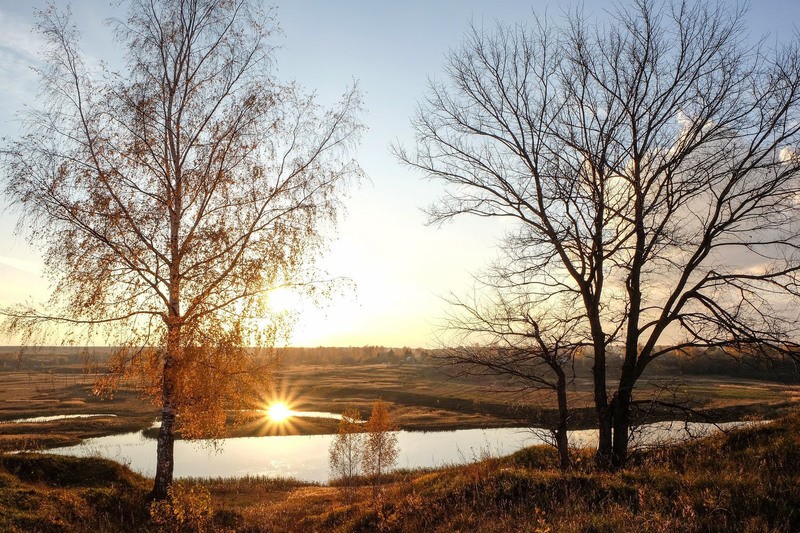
(276, 410)
(279, 412)
(284, 300)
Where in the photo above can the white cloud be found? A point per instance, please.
(19, 47)
(23, 265)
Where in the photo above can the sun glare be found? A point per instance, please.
(278, 412)
(283, 300)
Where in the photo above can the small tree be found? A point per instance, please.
(345, 452)
(501, 331)
(380, 451)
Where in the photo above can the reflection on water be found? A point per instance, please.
(306, 457)
(36, 419)
(311, 414)
(658, 433)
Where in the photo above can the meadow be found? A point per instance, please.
(746, 480)
(422, 397)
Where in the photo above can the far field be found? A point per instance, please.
(422, 397)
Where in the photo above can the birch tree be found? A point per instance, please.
(379, 451)
(345, 451)
(170, 197)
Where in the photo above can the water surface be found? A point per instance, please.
(306, 457)
(37, 419)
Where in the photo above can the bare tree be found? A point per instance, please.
(345, 451)
(652, 167)
(502, 332)
(169, 199)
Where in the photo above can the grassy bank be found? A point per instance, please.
(53, 493)
(748, 480)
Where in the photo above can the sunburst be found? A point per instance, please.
(274, 412)
(279, 412)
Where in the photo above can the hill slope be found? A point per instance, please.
(748, 480)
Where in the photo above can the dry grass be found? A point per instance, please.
(48, 493)
(422, 398)
(746, 481)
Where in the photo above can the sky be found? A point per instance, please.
(400, 267)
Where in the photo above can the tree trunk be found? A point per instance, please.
(602, 408)
(165, 448)
(562, 441)
(622, 412)
(603, 457)
(622, 416)
(621, 407)
(377, 479)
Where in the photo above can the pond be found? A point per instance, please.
(306, 457)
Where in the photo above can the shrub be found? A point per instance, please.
(186, 508)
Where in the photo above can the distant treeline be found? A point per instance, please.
(64, 359)
(692, 361)
(354, 355)
(697, 361)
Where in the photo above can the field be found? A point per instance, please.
(743, 481)
(61, 391)
(422, 397)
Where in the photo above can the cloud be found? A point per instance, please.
(22, 265)
(786, 154)
(19, 47)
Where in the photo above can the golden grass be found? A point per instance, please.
(745, 481)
